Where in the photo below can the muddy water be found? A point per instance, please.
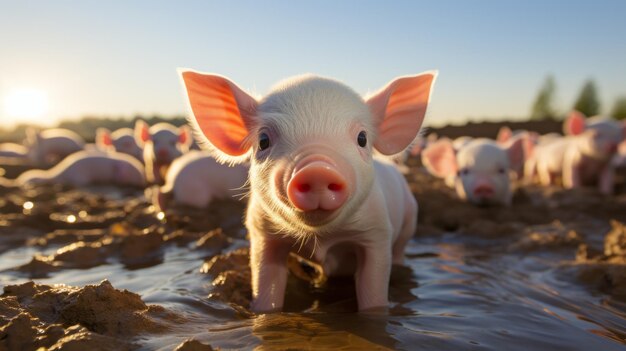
(549, 273)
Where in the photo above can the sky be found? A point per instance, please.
(119, 58)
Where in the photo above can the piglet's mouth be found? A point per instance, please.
(316, 218)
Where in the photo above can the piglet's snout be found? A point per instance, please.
(484, 191)
(317, 186)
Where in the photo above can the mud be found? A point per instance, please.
(100, 268)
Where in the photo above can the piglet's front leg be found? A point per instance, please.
(607, 180)
(268, 264)
(372, 277)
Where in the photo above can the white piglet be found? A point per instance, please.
(583, 157)
(122, 140)
(314, 185)
(48, 147)
(479, 170)
(196, 178)
(89, 167)
(162, 143)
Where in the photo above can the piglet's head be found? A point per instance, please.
(309, 141)
(597, 137)
(163, 141)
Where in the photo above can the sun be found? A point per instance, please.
(28, 105)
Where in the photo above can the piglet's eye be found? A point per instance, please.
(464, 171)
(264, 141)
(501, 170)
(362, 139)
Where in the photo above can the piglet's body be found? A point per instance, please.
(583, 158)
(122, 140)
(89, 167)
(196, 178)
(479, 170)
(314, 186)
(48, 147)
(11, 150)
(162, 143)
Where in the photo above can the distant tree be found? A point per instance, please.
(619, 109)
(587, 101)
(543, 108)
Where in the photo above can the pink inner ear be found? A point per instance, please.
(504, 135)
(104, 138)
(183, 135)
(144, 132)
(575, 123)
(440, 159)
(221, 109)
(399, 110)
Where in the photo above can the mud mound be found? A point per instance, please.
(62, 317)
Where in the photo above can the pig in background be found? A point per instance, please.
(13, 151)
(479, 170)
(196, 178)
(48, 147)
(582, 158)
(162, 143)
(122, 140)
(86, 168)
(315, 187)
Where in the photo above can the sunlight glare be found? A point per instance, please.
(26, 104)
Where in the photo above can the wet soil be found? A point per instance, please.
(98, 268)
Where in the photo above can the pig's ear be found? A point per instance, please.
(515, 151)
(439, 158)
(184, 135)
(222, 114)
(103, 137)
(574, 123)
(504, 134)
(142, 132)
(399, 110)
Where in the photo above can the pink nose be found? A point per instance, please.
(162, 154)
(483, 191)
(317, 186)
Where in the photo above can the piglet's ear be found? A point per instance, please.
(142, 132)
(184, 135)
(515, 151)
(504, 134)
(439, 158)
(399, 110)
(222, 113)
(575, 123)
(103, 137)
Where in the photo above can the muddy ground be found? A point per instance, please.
(97, 268)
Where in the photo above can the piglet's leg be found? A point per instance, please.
(268, 264)
(571, 176)
(372, 277)
(607, 180)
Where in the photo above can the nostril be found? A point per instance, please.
(335, 187)
(304, 188)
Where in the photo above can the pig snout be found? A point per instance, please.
(484, 191)
(317, 184)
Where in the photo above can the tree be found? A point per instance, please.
(587, 101)
(619, 109)
(543, 108)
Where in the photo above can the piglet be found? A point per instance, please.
(13, 151)
(162, 143)
(122, 140)
(48, 147)
(89, 167)
(196, 178)
(581, 158)
(479, 170)
(314, 186)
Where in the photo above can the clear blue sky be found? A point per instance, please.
(119, 57)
